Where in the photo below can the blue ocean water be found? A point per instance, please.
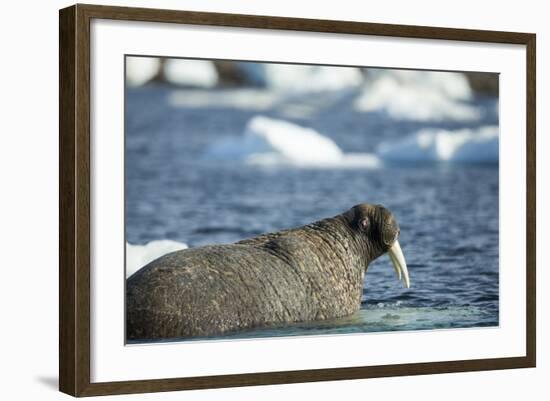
(448, 213)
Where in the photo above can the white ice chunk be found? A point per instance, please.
(138, 256)
(195, 73)
(270, 142)
(438, 145)
(418, 96)
(140, 70)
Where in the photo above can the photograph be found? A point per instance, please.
(267, 199)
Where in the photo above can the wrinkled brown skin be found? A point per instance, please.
(313, 272)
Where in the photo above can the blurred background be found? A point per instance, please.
(218, 151)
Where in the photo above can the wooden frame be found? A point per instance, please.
(74, 199)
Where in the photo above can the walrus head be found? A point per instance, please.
(381, 232)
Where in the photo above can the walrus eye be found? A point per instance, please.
(364, 224)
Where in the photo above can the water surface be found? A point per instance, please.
(448, 213)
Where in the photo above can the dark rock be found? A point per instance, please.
(483, 83)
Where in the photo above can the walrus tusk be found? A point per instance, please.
(394, 263)
(399, 264)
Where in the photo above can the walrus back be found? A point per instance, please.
(308, 273)
(212, 290)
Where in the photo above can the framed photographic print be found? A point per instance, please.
(250, 200)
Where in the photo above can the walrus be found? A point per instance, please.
(313, 272)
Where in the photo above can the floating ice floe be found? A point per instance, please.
(271, 142)
(418, 95)
(138, 256)
(140, 70)
(287, 104)
(193, 73)
(246, 99)
(301, 78)
(437, 145)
